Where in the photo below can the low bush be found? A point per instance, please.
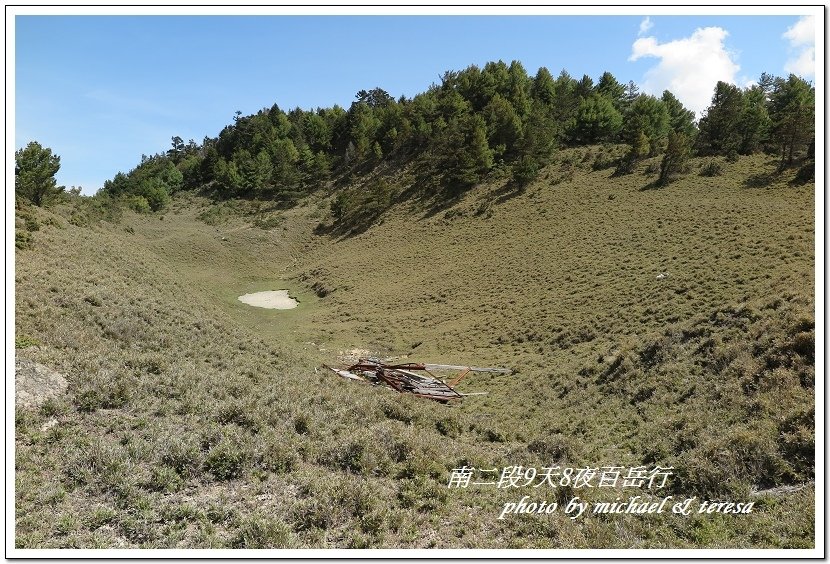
(711, 167)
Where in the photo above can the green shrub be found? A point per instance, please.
(216, 215)
(261, 532)
(797, 441)
(302, 423)
(651, 168)
(449, 427)
(556, 448)
(32, 224)
(99, 517)
(494, 435)
(397, 410)
(103, 390)
(227, 459)
(157, 197)
(98, 465)
(182, 455)
(275, 456)
(138, 204)
(351, 456)
(264, 221)
(604, 161)
(22, 239)
(164, 479)
(25, 341)
(312, 513)
(525, 170)
(88, 400)
(422, 494)
(238, 414)
(343, 204)
(711, 167)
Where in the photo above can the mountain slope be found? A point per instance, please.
(670, 327)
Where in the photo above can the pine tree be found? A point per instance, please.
(681, 120)
(596, 120)
(792, 112)
(34, 173)
(649, 116)
(719, 134)
(677, 153)
(610, 88)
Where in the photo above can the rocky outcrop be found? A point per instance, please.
(35, 383)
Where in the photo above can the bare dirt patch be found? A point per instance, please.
(271, 299)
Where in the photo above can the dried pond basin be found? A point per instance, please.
(271, 299)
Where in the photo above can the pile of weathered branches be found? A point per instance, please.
(413, 378)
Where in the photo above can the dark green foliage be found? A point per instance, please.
(177, 150)
(639, 149)
(34, 173)
(464, 154)
(540, 134)
(681, 120)
(677, 153)
(753, 121)
(155, 193)
(375, 98)
(566, 102)
(792, 113)
(154, 180)
(22, 239)
(455, 133)
(632, 91)
(543, 87)
(720, 132)
(609, 88)
(525, 170)
(646, 116)
(596, 120)
(357, 207)
(775, 112)
(712, 167)
(504, 127)
(806, 173)
(363, 126)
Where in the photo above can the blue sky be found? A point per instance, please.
(102, 90)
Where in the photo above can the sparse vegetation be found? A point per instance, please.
(183, 414)
(477, 222)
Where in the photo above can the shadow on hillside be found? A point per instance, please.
(438, 205)
(348, 226)
(510, 190)
(761, 179)
(655, 185)
(434, 193)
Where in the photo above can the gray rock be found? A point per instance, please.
(35, 383)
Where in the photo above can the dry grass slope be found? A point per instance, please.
(192, 420)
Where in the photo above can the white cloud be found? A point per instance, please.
(689, 67)
(803, 32)
(802, 39)
(645, 25)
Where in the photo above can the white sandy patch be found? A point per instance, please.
(272, 299)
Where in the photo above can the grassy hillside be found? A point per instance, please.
(193, 420)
